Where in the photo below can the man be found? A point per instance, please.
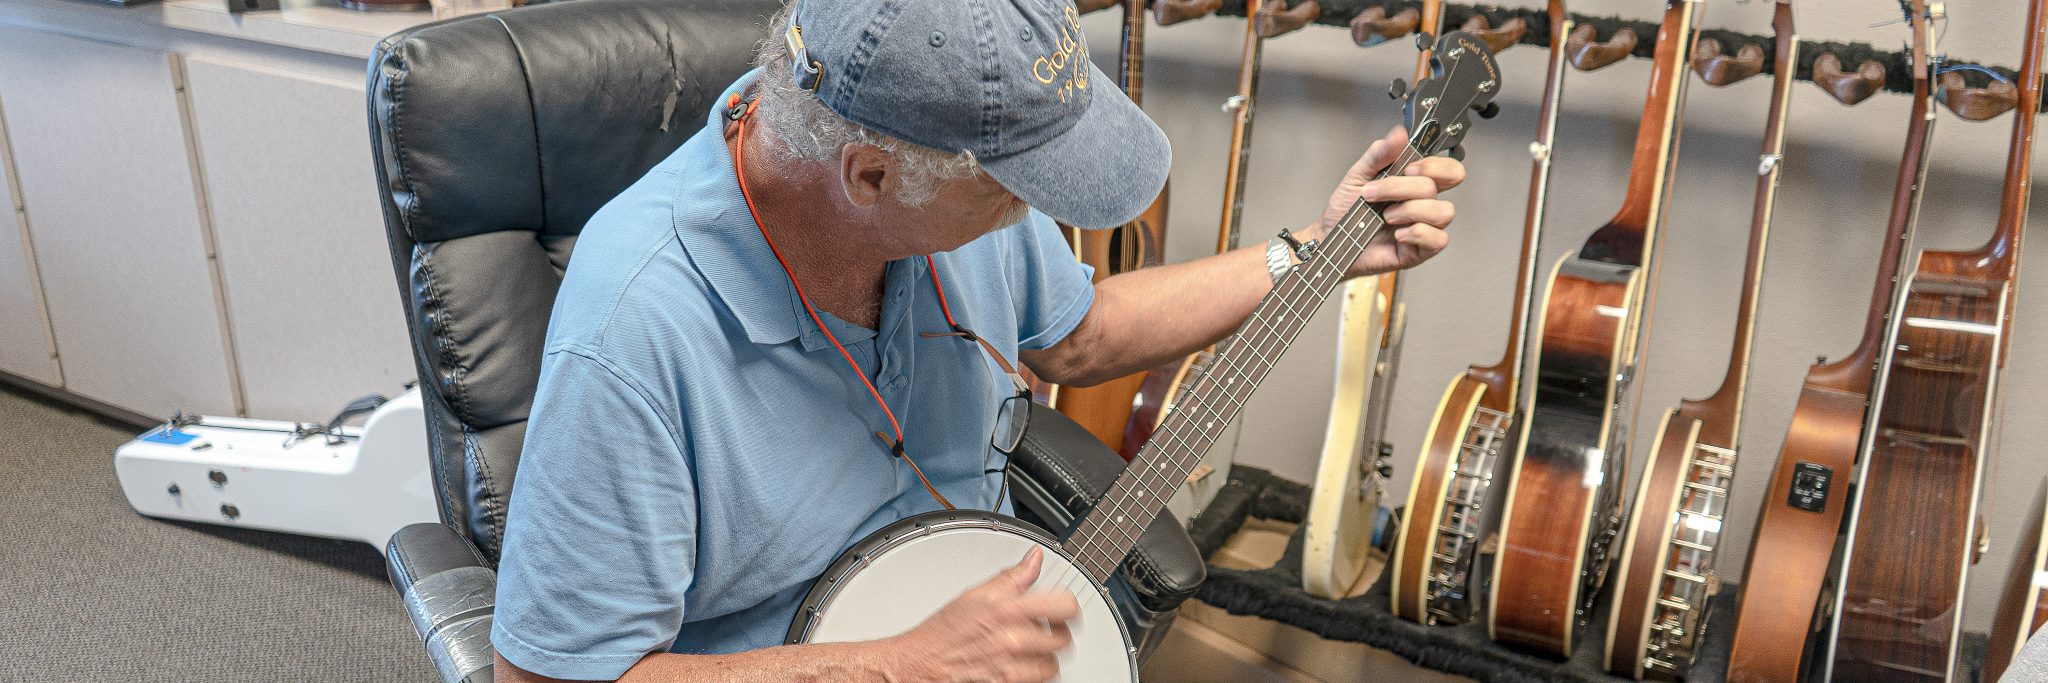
(748, 370)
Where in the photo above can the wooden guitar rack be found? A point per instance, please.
(1851, 72)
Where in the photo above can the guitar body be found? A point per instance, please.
(1337, 532)
(1665, 577)
(1562, 503)
(896, 578)
(1793, 544)
(1451, 500)
(2023, 608)
(1914, 535)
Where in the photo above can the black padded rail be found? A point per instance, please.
(1898, 65)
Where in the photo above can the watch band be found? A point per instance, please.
(1279, 258)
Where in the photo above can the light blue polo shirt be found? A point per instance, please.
(698, 453)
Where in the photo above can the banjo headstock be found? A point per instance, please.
(1463, 80)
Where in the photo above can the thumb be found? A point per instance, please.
(1026, 572)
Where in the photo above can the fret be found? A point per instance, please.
(1216, 392)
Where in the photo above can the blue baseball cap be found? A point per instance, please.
(1008, 80)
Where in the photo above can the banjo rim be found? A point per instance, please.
(855, 559)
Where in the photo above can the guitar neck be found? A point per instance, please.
(1215, 397)
(1855, 372)
(1131, 68)
(2004, 248)
(1728, 398)
(1510, 365)
(1626, 239)
(1240, 131)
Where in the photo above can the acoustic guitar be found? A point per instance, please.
(1351, 474)
(1104, 408)
(2023, 608)
(1563, 502)
(1666, 576)
(1163, 386)
(1452, 496)
(1914, 529)
(894, 579)
(1802, 510)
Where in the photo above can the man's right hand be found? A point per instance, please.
(999, 631)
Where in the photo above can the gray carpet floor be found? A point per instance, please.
(91, 591)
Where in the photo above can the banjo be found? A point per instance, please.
(894, 579)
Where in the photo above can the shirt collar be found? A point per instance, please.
(719, 234)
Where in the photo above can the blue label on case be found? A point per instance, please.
(170, 436)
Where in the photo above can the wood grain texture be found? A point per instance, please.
(1915, 529)
(1412, 562)
(1562, 466)
(1915, 524)
(1494, 387)
(1564, 501)
(1674, 479)
(1792, 545)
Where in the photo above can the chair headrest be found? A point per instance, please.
(532, 119)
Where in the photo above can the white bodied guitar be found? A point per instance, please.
(1352, 474)
(896, 578)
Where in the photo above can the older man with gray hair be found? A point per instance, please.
(748, 367)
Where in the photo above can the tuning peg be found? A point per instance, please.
(1977, 104)
(1276, 18)
(1456, 152)
(1373, 26)
(1398, 90)
(1170, 12)
(1424, 41)
(1509, 33)
(1848, 87)
(1719, 69)
(1588, 53)
(1487, 111)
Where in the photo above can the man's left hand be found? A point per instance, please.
(1416, 217)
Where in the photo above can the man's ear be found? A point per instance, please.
(866, 173)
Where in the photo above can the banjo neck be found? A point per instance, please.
(1215, 397)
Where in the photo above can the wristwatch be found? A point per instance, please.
(1279, 258)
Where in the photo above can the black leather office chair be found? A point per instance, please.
(497, 136)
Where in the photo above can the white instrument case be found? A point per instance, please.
(321, 480)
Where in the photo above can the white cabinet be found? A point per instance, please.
(105, 174)
(305, 271)
(25, 346)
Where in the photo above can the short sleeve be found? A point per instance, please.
(1051, 289)
(600, 539)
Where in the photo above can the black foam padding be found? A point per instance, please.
(1898, 65)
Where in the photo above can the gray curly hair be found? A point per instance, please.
(812, 132)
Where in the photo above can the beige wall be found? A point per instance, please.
(1840, 163)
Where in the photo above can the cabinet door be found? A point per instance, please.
(105, 173)
(310, 292)
(25, 346)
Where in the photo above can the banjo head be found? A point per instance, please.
(894, 579)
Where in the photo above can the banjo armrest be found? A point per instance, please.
(1060, 471)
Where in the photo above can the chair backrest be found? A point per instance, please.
(497, 136)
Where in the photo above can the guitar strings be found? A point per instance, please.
(1090, 558)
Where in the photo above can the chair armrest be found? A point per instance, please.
(1060, 471)
(450, 593)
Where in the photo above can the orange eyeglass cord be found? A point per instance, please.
(739, 170)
